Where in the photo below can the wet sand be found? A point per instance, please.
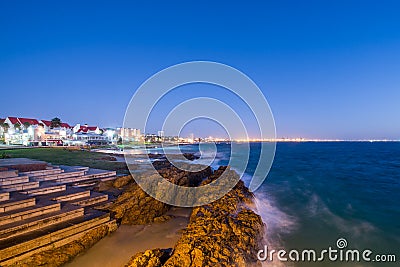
(116, 249)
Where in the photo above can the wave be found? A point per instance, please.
(276, 221)
(353, 227)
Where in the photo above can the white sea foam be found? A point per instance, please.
(276, 222)
(355, 228)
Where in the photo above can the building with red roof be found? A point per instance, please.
(86, 129)
(66, 125)
(28, 131)
(31, 131)
(11, 121)
(47, 125)
(24, 121)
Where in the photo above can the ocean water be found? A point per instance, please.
(316, 193)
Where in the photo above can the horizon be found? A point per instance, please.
(327, 70)
(250, 139)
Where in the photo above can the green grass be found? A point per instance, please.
(62, 156)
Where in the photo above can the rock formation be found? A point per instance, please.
(150, 258)
(134, 206)
(226, 232)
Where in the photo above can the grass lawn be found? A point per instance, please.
(64, 156)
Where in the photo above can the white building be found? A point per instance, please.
(21, 131)
(27, 131)
(129, 134)
(88, 139)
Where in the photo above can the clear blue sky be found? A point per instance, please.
(329, 69)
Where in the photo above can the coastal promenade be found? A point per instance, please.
(43, 206)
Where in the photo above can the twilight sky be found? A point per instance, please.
(329, 69)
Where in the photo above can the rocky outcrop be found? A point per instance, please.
(134, 206)
(122, 181)
(188, 156)
(226, 232)
(177, 176)
(61, 255)
(150, 258)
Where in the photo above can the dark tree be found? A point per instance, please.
(5, 126)
(55, 122)
(26, 125)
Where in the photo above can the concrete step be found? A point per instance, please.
(55, 236)
(16, 204)
(47, 171)
(18, 228)
(99, 174)
(23, 164)
(28, 212)
(81, 168)
(14, 180)
(59, 176)
(45, 190)
(91, 182)
(92, 200)
(76, 179)
(19, 187)
(108, 178)
(4, 196)
(87, 178)
(8, 173)
(72, 196)
(70, 180)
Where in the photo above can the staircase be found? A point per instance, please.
(45, 207)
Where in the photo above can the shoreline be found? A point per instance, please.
(142, 223)
(168, 235)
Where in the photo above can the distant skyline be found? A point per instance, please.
(329, 70)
